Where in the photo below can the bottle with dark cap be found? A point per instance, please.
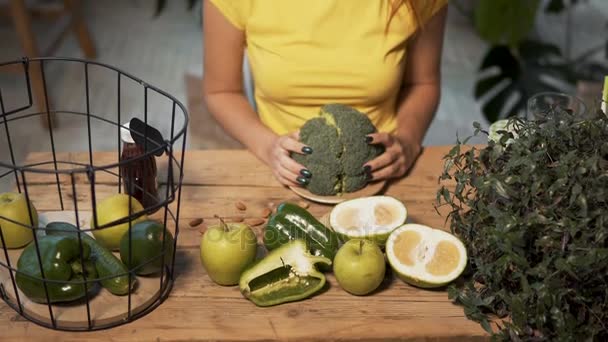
(139, 172)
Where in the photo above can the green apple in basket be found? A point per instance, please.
(111, 209)
(14, 207)
(152, 247)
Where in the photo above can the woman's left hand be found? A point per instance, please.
(397, 159)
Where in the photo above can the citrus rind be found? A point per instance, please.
(372, 218)
(425, 257)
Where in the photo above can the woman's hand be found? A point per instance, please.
(397, 159)
(285, 169)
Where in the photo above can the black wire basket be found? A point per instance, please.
(89, 232)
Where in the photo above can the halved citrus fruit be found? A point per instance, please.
(372, 218)
(425, 257)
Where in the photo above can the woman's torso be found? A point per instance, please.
(304, 54)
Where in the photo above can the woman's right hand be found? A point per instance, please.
(285, 169)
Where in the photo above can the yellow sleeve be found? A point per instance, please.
(428, 8)
(235, 11)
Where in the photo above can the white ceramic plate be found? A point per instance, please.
(370, 190)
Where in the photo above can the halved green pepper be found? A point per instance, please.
(61, 263)
(285, 274)
(292, 222)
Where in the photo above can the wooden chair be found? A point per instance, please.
(67, 16)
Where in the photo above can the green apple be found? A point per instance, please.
(13, 206)
(111, 209)
(147, 243)
(226, 250)
(359, 266)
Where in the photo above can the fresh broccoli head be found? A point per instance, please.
(337, 138)
(324, 161)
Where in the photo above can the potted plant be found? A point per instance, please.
(531, 211)
(518, 64)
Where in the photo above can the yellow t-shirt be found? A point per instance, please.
(306, 53)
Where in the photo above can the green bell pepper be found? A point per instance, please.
(285, 274)
(292, 222)
(62, 268)
(109, 267)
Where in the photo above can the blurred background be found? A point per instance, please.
(497, 53)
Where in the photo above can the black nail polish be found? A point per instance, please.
(367, 169)
(368, 139)
(302, 180)
(369, 176)
(305, 173)
(307, 150)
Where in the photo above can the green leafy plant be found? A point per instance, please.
(532, 209)
(517, 64)
(492, 20)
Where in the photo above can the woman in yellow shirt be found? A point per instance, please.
(381, 57)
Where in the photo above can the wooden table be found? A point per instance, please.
(199, 310)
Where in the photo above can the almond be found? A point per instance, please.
(195, 222)
(202, 229)
(304, 204)
(266, 212)
(254, 221)
(238, 219)
(240, 206)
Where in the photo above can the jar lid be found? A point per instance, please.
(125, 134)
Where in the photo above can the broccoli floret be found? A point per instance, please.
(324, 161)
(354, 126)
(323, 139)
(337, 138)
(353, 183)
(325, 178)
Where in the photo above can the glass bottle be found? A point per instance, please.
(139, 177)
